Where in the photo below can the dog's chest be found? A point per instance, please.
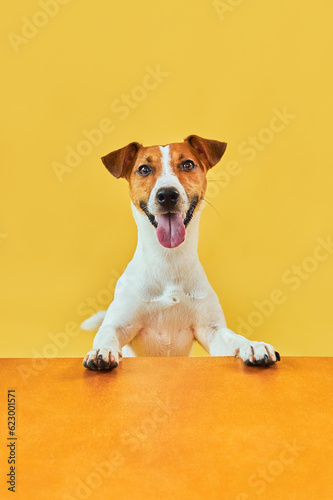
(166, 323)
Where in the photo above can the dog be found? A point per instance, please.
(163, 301)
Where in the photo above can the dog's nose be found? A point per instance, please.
(167, 197)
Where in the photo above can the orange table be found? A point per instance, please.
(169, 428)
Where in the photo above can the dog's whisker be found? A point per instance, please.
(209, 203)
(215, 180)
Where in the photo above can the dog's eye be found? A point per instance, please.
(144, 170)
(188, 165)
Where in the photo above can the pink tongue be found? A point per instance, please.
(170, 230)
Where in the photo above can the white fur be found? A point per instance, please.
(163, 301)
(166, 167)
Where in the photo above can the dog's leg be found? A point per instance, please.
(220, 341)
(116, 329)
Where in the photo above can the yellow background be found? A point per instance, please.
(62, 244)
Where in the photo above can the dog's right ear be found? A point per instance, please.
(119, 162)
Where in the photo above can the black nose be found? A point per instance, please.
(167, 197)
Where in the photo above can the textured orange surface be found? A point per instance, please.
(170, 428)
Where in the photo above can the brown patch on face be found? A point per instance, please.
(141, 187)
(193, 181)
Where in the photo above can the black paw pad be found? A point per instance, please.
(91, 365)
(102, 365)
(265, 361)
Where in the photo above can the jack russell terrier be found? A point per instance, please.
(163, 301)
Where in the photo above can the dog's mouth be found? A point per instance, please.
(171, 227)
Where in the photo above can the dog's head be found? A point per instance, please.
(167, 183)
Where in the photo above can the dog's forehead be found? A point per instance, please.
(175, 151)
(149, 154)
(180, 151)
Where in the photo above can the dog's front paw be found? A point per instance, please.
(104, 358)
(258, 354)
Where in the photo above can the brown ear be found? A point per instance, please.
(120, 162)
(208, 150)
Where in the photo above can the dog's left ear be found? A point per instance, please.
(119, 162)
(209, 151)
